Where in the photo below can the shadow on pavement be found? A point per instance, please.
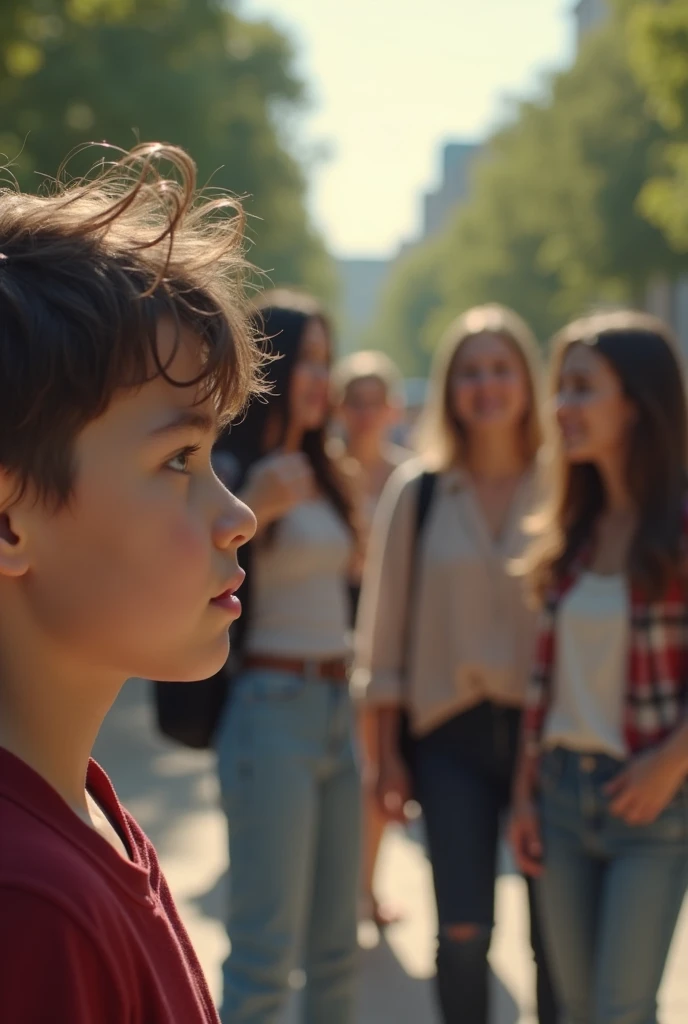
(389, 995)
(213, 903)
(504, 1007)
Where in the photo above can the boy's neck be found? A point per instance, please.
(50, 719)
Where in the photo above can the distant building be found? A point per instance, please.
(589, 14)
(361, 282)
(457, 161)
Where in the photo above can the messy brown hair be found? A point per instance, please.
(441, 438)
(643, 353)
(87, 270)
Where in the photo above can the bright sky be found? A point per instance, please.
(390, 81)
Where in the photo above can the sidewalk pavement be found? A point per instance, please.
(173, 794)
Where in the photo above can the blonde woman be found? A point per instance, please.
(444, 635)
(367, 393)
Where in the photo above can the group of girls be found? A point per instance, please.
(521, 643)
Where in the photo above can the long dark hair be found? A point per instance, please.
(280, 320)
(642, 352)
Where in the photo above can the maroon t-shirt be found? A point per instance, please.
(85, 936)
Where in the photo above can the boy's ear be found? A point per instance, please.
(14, 558)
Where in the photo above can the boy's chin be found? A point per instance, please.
(192, 670)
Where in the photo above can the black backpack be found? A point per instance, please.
(426, 490)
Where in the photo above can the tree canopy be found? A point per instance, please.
(410, 296)
(553, 225)
(189, 72)
(658, 46)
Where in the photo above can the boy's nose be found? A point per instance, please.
(235, 525)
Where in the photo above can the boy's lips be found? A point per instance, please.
(227, 599)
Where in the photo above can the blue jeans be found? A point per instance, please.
(463, 775)
(610, 894)
(291, 791)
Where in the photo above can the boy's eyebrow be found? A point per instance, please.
(185, 419)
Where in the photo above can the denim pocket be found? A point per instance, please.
(550, 770)
(264, 685)
(672, 824)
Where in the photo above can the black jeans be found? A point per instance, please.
(463, 772)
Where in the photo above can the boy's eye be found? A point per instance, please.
(180, 462)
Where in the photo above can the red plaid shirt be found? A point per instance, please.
(657, 684)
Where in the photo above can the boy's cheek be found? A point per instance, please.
(188, 539)
(176, 564)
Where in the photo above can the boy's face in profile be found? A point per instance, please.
(131, 577)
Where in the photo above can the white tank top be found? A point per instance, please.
(299, 599)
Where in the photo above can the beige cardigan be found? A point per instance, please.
(471, 634)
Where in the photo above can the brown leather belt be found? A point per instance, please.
(334, 670)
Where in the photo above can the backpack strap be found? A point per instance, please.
(426, 489)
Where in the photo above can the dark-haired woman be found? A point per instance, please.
(601, 802)
(288, 768)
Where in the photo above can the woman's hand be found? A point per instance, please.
(393, 788)
(524, 836)
(277, 484)
(641, 791)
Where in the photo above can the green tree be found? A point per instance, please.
(410, 296)
(553, 226)
(658, 39)
(190, 72)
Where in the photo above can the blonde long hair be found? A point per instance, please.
(441, 438)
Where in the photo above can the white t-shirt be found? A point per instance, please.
(591, 667)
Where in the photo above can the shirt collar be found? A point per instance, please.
(456, 478)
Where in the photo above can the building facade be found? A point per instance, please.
(589, 14)
(457, 162)
(362, 280)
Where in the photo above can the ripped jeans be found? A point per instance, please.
(463, 772)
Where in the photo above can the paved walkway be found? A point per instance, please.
(173, 793)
